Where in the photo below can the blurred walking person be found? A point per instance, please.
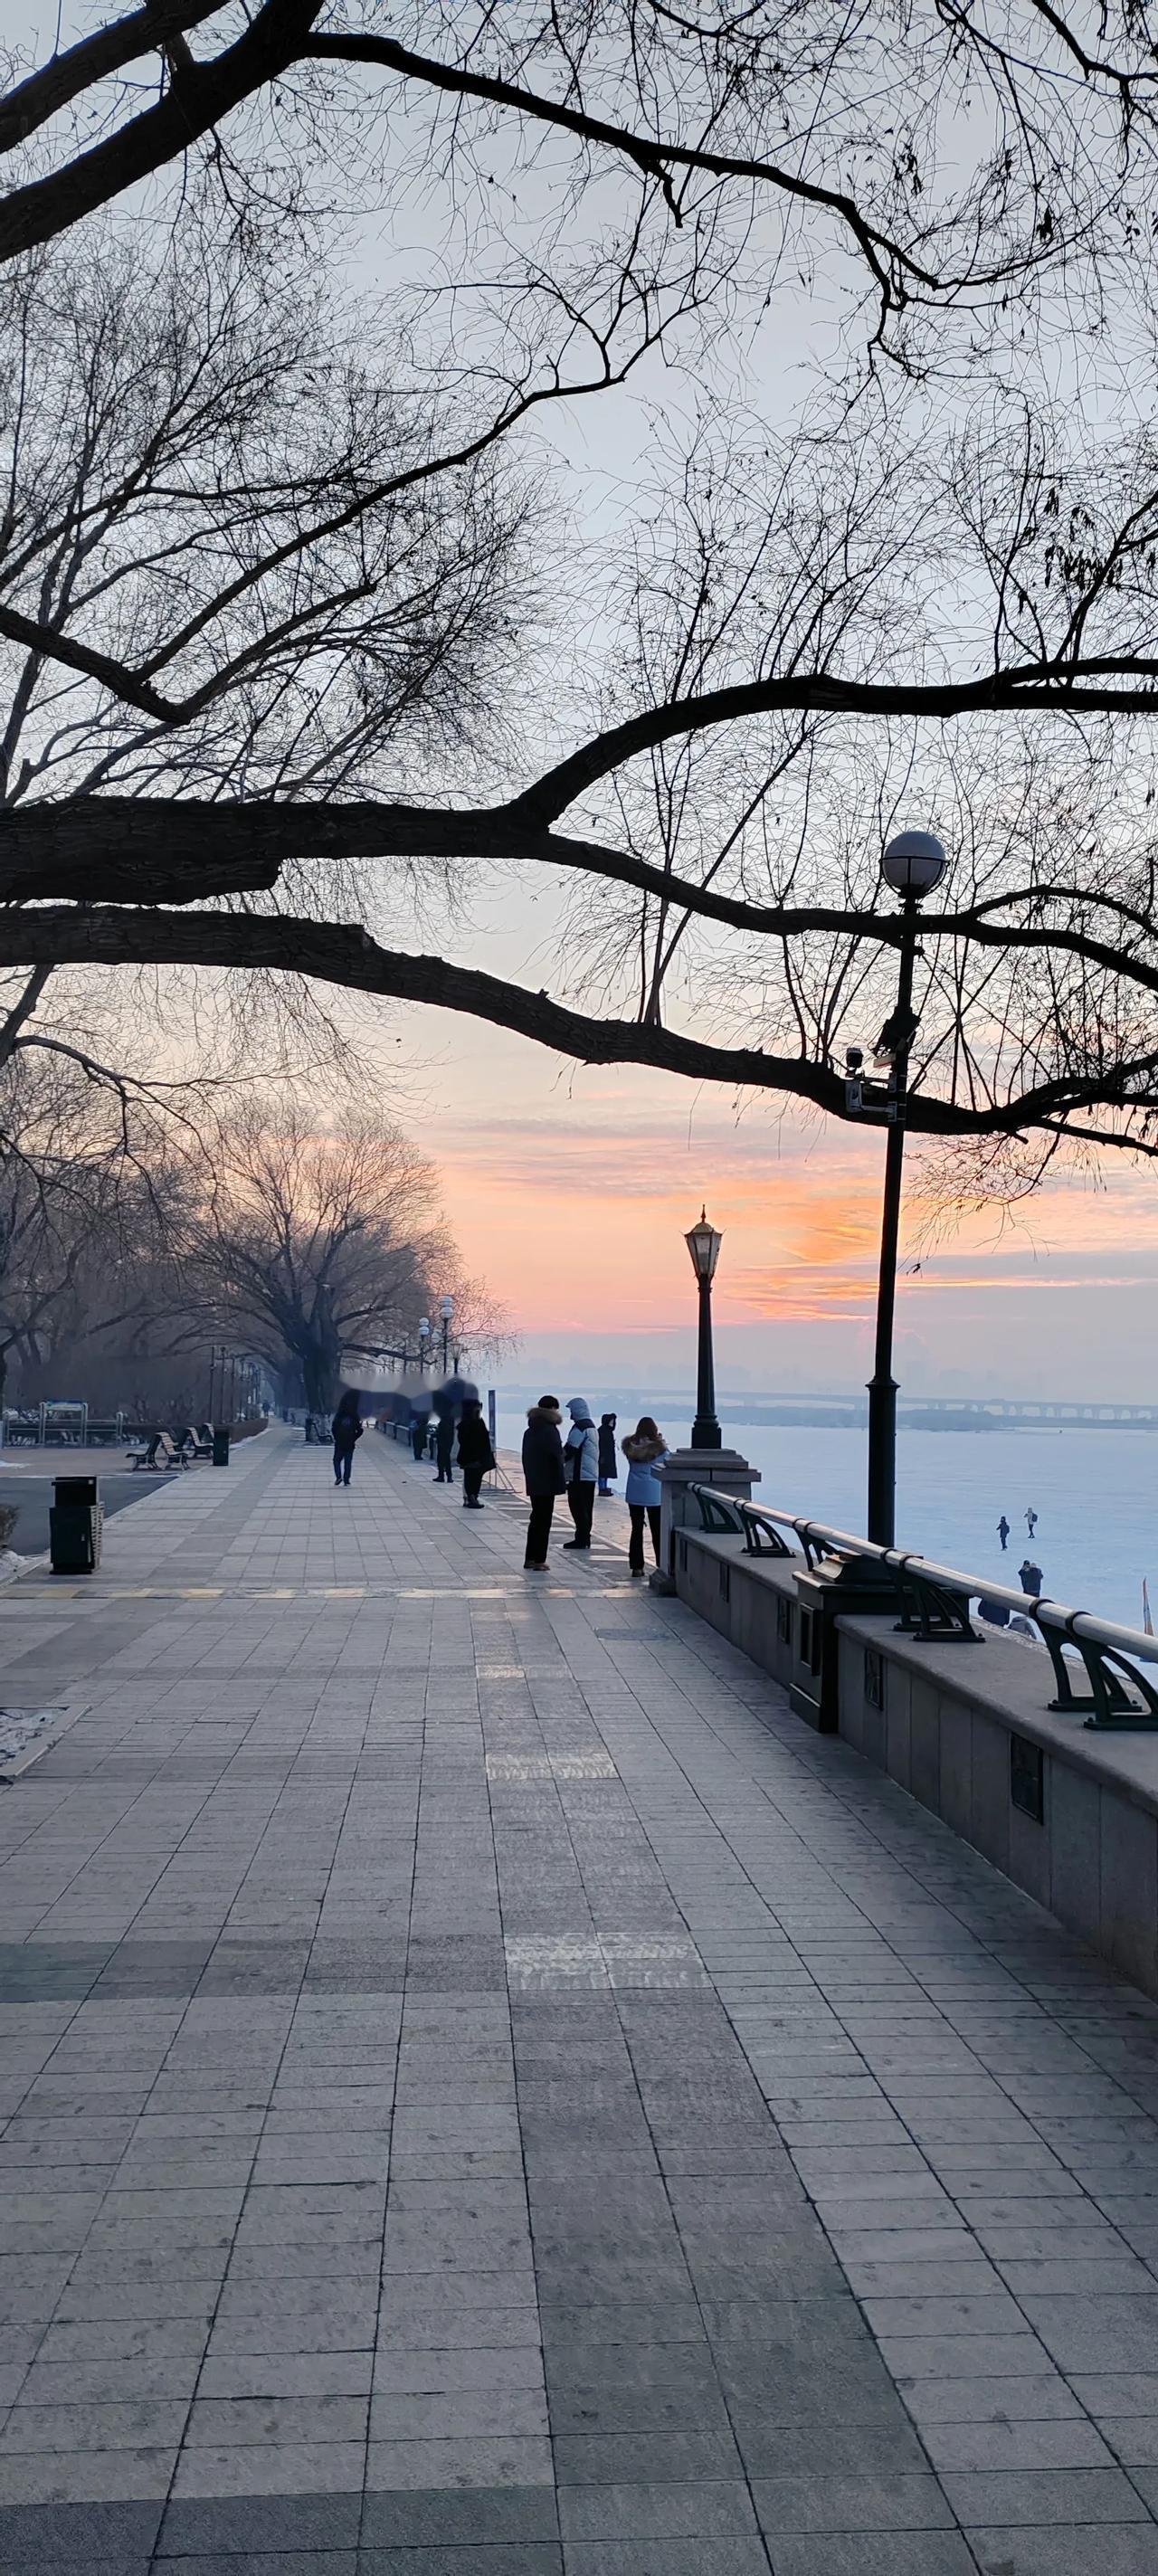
(608, 1464)
(444, 1441)
(543, 1477)
(645, 1450)
(346, 1431)
(1003, 1533)
(581, 1468)
(475, 1454)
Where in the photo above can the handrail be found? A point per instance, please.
(935, 1600)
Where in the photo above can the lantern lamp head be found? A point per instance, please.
(703, 1242)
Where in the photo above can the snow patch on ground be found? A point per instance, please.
(25, 1733)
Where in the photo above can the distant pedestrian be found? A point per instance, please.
(543, 1477)
(581, 1468)
(608, 1463)
(346, 1431)
(1003, 1533)
(644, 1449)
(1031, 1578)
(1031, 1520)
(475, 1454)
(418, 1424)
(444, 1444)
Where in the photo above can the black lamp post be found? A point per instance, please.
(913, 864)
(446, 1310)
(703, 1243)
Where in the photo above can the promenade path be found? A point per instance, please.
(486, 2092)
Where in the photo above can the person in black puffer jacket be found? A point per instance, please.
(543, 1477)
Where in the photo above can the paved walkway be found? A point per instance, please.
(485, 2092)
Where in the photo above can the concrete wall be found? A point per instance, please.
(967, 1730)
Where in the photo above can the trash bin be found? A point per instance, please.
(221, 1448)
(74, 1525)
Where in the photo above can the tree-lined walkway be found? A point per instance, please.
(487, 2093)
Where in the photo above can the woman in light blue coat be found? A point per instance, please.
(645, 1450)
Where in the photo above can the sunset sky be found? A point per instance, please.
(571, 1190)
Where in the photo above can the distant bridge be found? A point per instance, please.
(942, 1412)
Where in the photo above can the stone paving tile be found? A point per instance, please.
(484, 2092)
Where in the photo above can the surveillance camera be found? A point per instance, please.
(854, 1058)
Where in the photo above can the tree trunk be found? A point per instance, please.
(320, 1377)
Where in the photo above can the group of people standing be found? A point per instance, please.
(1003, 1526)
(474, 1452)
(578, 1463)
(1029, 1573)
(581, 1463)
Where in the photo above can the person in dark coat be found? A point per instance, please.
(543, 1477)
(1003, 1533)
(475, 1454)
(418, 1429)
(1031, 1578)
(346, 1431)
(608, 1465)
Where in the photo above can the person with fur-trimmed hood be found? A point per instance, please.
(581, 1468)
(543, 1477)
(644, 1449)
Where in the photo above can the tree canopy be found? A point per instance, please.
(306, 642)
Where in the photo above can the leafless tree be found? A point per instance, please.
(85, 1201)
(196, 463)
(789, 694)
(309, 1241)
(949, 154)
(304, 642)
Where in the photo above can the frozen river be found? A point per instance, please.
(1095, 1493)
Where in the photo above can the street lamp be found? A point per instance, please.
(913, 864)
(423, 1342)
(703, 1242)
(446, 1310)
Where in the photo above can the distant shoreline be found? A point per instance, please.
(850, 1413)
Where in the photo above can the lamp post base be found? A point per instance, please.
(706, 1433)
(694, 1466)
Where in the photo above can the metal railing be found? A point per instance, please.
(934, 1602)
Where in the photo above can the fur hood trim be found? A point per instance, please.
(641, 1451)
(544, 1413)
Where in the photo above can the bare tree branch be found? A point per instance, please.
(349, 957)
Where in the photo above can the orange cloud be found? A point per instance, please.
(575, 1215)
